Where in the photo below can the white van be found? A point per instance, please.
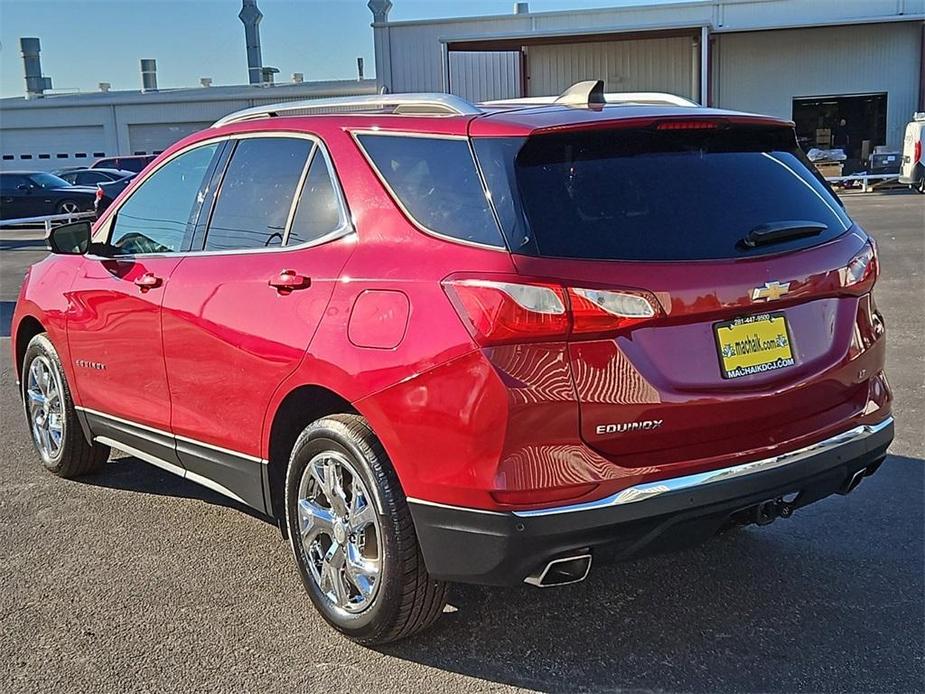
(913, 166)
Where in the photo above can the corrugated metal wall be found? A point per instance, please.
(663, 65)
(485, 75)
(764, 71)
(154, 138)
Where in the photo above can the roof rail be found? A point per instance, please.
(411, 104)
(569, 98)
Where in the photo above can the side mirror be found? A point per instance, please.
(70, 239)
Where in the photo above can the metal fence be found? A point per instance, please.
(47, 220)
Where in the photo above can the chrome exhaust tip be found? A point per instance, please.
(852, 484)
(561, 572)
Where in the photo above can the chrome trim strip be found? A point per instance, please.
(237, 454)
(422, 502)
(124, 421)
(245, 456)
(141, 455)
(649, 490)
(345, 229)
(171, 468)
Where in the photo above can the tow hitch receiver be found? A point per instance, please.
(768, 511)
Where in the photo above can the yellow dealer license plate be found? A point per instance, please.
(753, 344)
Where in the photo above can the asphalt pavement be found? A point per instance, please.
(135, 580)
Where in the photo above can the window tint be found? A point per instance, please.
(318, 211)
(256, 193)
(655, 195)
(155, 218)
(88, 178)
(10, 182)
(436, 181)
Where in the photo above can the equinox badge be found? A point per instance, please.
(646, 425)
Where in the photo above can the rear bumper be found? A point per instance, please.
(504, 548)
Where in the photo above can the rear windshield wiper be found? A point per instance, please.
(775, 232)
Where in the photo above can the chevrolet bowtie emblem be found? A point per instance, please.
(770, 291)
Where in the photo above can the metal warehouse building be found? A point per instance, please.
(848, 72)
(814, 61)
(63, 130)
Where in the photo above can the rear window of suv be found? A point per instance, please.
(659, 195)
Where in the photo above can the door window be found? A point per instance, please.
(156, 218)
(318, 211)
(256, 193)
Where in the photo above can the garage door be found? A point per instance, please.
(153, 138)
(485, 75)
(43, 149)
(659, 65)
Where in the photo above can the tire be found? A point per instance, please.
(920, 186)
(403, 599)
(49, 408)
(67, 207)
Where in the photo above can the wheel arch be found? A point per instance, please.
(27, 328)
(300, 407)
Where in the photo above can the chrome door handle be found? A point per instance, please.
(289, 280)
(148, 281)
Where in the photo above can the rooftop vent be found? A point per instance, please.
(36, 84)
(267, 73)
(521, 8)
(298, 77)
(104, 86)
(250, 16)
(148, 75)
(205, 81)
(380, 10)
(359, 68)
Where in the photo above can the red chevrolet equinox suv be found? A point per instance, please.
(443, 342)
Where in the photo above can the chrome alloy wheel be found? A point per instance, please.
(340, 532)
(45, 407)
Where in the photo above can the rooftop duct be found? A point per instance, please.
(36, 84)
(267, 72)
(251, 16)
(380, 10)
(148, 75)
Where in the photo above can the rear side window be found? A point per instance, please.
(318, 211)
(156, 217)
(436, 182)
(256, 193)
(655, 195)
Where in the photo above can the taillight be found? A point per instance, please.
(918, 152)
(500, 312)
(605, 310)
(861, 271)
(99, 194)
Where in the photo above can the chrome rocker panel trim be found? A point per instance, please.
(649, 490)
